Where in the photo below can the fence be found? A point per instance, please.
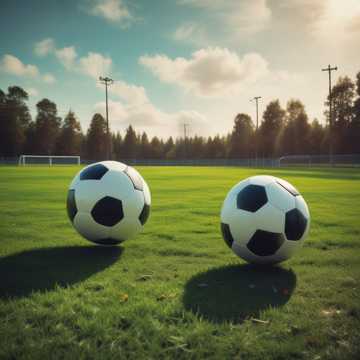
(348, 160)
(352, 160)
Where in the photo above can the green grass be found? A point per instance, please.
(176, 291)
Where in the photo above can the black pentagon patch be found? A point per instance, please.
(291, 189)
(295, 224)
(95, 172)
(265, 243)
(226, 233)
(108, 211)
(107, 241)
(134, 177)
(251, 198)
(145, 212)
(71, 205)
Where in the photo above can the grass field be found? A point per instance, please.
(176, 291)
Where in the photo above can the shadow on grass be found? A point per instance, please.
(235, 293)
(43, 269)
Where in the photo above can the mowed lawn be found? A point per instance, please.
(176, 291)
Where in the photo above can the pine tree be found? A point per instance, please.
(241, 137)
(47, 125)
(97, 138)
(69, 141)
(14, 120)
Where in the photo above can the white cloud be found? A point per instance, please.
(209, 72)
(48, 78)
(131, 94)
(233, 19)
(32, 92)
(114, 11)
(338, 20)
(354, 24)
(95, 64)
(66, 56)
(44, 47)
(191, 32)
(14, 66)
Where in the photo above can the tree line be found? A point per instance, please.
(283, 131)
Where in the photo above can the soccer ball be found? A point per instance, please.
(108, 202)
(264, 220)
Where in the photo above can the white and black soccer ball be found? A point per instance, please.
(108, 202)
(264, 219)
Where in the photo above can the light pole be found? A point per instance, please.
(256, 98)
(107, 81)
(329, 69)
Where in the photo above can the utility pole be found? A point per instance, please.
(107, 82)
(256, 98)
(329, 69)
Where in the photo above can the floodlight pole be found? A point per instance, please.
(256, 98)
(107, 81)
(329, 69)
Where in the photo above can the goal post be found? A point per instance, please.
(48, 160)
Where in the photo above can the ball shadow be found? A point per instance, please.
(237, 292)
(43, 269)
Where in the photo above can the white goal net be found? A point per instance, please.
(48, 160)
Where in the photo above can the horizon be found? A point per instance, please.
(187, 61)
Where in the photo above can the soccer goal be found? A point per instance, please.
(48, 160)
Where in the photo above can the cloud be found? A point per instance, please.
(66, 56)
(115, 11)
(95, 64)
(191, 32)
(210, 72)
(132, 94)
(354, 24)
(14, 66)
(338, 20)
(233, 19)
(44, 47)
(48, 78)
(32, 92)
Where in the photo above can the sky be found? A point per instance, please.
(175, 62)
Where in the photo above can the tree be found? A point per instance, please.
(156, 148)
(241, 136)
(47, 127)
(14, 120)
(197, 147)
(270, 129)
(295, 137)
(169, 148)
(69, 141)
(117, 145)
(354, 128)
(145, 147)
(130, 144)
(215, 148)
(316, 138)
(342, 105)
(97, 138)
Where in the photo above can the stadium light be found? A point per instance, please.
(107, 82)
